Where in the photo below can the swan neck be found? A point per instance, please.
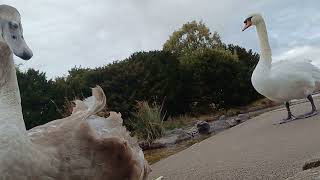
(10, 100)
(264, 41)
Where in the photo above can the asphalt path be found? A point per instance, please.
(255, 149)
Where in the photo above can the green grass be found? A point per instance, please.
(148, 122)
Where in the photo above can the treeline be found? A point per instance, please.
(194, 73)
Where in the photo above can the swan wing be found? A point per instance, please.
(92, 104)
(106, 138)
(296, 70)
(293, 79)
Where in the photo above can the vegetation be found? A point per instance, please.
(190, 37)
(195, 73)
(177, 122)
(148, 122)
(37, 95)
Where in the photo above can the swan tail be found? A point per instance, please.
(308, 66)
(92, 104)
(316, 76)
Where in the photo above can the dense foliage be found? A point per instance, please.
(205, 78)
(37, 98)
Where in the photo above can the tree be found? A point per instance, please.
(218, 77)
(190, 37)
(37, 95)
(144, 76)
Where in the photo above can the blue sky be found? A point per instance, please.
(64, 34)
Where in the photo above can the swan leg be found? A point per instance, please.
(290, 115)
(313, 110)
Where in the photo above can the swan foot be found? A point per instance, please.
(307, 115)
(288, 119)
(292, 118)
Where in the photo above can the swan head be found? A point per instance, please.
(11, 32)
(252, 19)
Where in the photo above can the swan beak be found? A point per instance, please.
(247, 24)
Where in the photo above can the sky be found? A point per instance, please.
(92, 33)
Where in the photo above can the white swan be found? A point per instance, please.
(81, 146)
(285, 80)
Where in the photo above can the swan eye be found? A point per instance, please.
(248, 19)
(13, 25)
(14, 37)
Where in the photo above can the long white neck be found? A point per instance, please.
(265, 55)
(10, 101)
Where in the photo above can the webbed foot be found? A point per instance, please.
(309, 114)
(288, 119)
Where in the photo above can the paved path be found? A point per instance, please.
(256, 149)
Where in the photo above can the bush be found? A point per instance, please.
(38, 95)
(148, 122)
(216, 76)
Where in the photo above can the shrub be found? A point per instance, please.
(148, 122)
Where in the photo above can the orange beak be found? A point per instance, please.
(247, 24)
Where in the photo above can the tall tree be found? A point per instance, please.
(190, 37)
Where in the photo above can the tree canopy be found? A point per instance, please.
(190, 37)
